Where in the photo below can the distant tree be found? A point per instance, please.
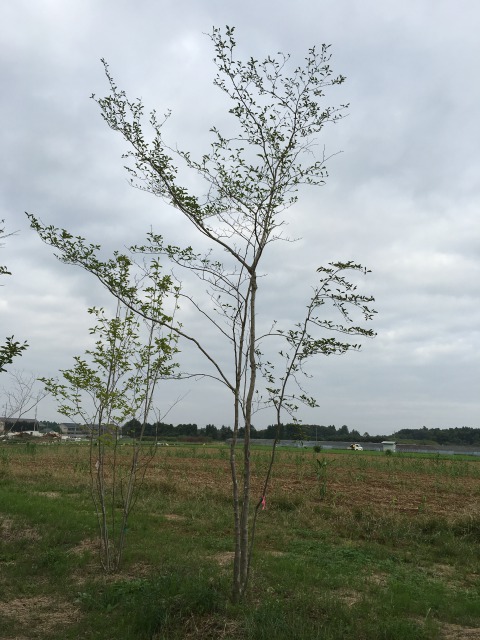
(150, 430)
(274, 431)
(186, 429)
(211, 431)
(132, 428)
(164, 430)
(330, 430)
(225, 432)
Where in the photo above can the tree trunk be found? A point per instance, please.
(242, 556)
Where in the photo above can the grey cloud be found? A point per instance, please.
(402, 198)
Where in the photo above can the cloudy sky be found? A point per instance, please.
(403, 197)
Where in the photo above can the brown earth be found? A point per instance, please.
(382, 487)
(451, 490)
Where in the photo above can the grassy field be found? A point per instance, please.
(351, 546)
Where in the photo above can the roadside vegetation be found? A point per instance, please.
(352, 545)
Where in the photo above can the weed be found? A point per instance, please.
(321, 470)
(422, 507)
(31, 448)
(4, 457)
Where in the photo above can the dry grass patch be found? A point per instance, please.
(457, 632)
(349, 597)
(442, 570)
(94, 571)
(48, 494)
(42, 613)
(85, 546)
(10, 530)
(173, 517)
(378, 579)
(224, 559)
(210, 628)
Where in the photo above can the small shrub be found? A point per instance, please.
(322, 476)
(31, 448)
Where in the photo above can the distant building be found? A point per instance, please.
(19, 424)
(73, 430)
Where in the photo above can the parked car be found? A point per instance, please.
(356, 447)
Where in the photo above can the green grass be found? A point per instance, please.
(328, 562)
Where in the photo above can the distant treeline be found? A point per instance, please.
(286, 432)
(458, 436)
(465, 436)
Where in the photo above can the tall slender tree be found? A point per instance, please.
(251, 178)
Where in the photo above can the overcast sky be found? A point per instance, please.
(402, 198)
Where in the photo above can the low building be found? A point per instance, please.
(389, 445)
(73, 430)
(18, 424)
